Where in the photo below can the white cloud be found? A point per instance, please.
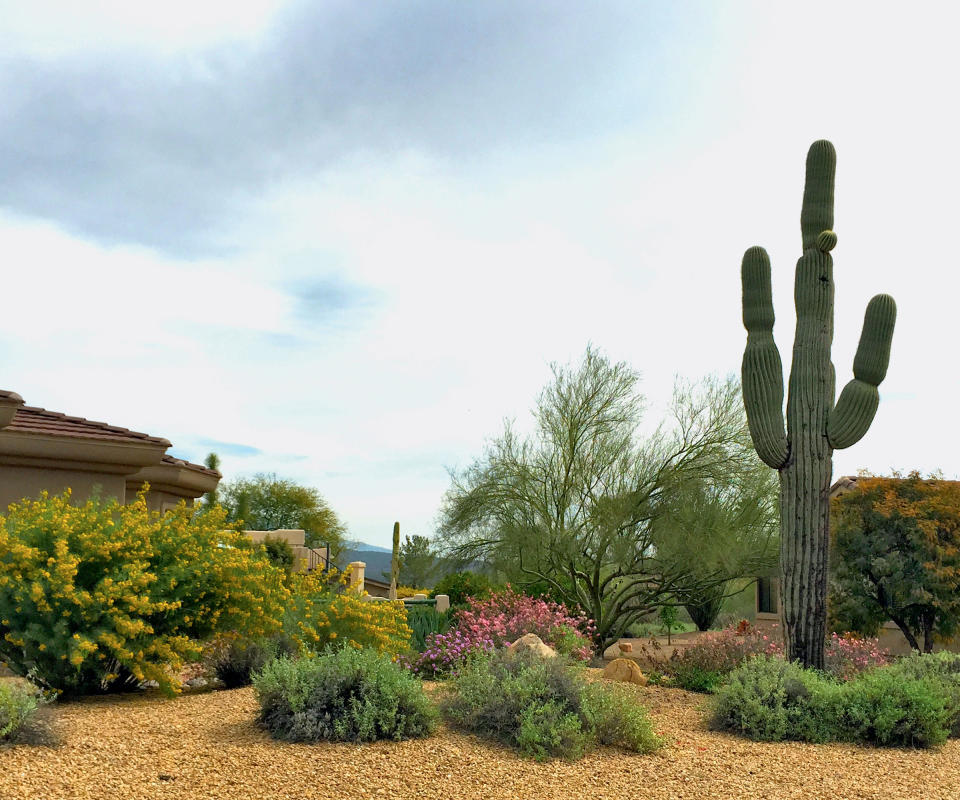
(482, 270)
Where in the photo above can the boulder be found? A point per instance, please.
(531, 643)
(626, 670)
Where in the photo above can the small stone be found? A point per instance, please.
(532, 643)
(626, 670)
(626, 647)
(197, 683)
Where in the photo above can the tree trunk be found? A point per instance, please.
(907, 633)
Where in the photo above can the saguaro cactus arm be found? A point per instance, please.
(851, 416)
(762, 370)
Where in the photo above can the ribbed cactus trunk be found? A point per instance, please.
(395, 562)
(803, 452)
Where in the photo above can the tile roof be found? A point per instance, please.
(179, 462)
(29, 419)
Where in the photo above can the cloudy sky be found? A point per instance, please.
(343, 241)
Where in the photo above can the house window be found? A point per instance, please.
(766, 596)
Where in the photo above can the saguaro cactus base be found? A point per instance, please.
(802, 450)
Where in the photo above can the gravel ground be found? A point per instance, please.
(206, 745)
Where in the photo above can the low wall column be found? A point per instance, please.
(443, 602)
(357, 569)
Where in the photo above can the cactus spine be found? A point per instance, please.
(395, 561)
(803, 451)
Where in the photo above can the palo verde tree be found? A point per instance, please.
(896, 556)
(722, 529)
(802, 452)
(574, 506)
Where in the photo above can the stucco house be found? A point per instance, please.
(42, 449)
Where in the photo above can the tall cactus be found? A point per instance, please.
(803, 451)
(395, 561)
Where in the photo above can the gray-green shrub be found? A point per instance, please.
(18, 703)
(348, 695)
(944, 669)
(769, 699)
(544, 707)
(235, 661)
(885, 708)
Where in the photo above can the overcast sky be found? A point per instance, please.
(343, 241)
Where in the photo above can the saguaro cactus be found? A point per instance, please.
(803, 452)
(395, 561)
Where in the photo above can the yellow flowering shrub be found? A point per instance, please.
(100, 596)
(410, 591)
(326, 611)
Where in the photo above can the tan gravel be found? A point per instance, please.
(208, 746)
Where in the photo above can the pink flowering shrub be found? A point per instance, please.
(704, 664)
(505, 616)
(495, 621)
(444, 652)
(849, 655)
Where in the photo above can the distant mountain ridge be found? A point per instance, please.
(364, 547)
(377, 561)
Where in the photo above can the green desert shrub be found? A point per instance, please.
(19, 701)
(348, 695)
(942, 668)
(768, 699)
(885, 708)
(543, 707)
(458, 586)
(424, 620)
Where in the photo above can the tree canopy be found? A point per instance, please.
(590, 508)
(266, 502)
(418, 562)
(896, 556)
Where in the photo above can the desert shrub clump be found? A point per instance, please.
(769, 699)
(234, 660)
(499, 619)
(543, 707)
(103, 596)
(942, 669)
(346, 695)
(847, 655)
(704, 664)
(19, 701)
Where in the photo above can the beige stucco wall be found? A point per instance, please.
(18, 482)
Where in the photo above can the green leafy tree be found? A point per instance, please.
(418, 562)
(669, 621)
(267, 503)
(896, 556)
(458, 586)
(576, 505)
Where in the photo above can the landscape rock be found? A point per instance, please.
(532, 643)
(626, 670)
